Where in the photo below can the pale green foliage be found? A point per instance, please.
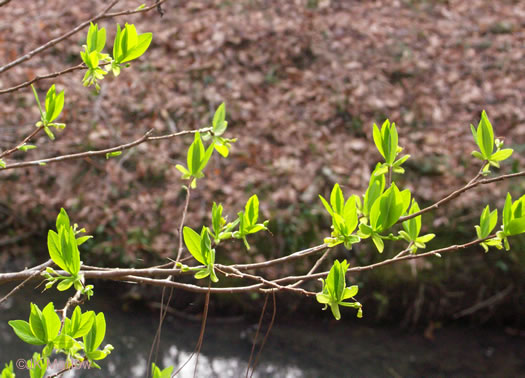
(248, 221)
(63, 250)
(157, 373)
(219, 125)
(335, 291)
(200, 248)
(197, 159)
(128, 45)
(386, 141)
(344, 218)
(412, 227)
(385, 212)
(53, 107)
(7, 371)
(484, 138)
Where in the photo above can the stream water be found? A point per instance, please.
(294, 349)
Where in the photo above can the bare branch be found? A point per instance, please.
(472, 184)
(34, 272)
(145, 138)
(102, 15)
(80, 66)
(29, 55)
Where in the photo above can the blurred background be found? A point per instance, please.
(303, 82)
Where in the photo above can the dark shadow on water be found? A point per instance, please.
(294, 349)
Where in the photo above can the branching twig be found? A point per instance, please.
(80, 66)
(102, 15)
(45, 46)
(266, 335)
(80, 155)
(34, 272)
(472, 184)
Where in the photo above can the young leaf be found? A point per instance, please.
(219, 124)
(193, 243)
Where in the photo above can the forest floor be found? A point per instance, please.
(303, 83)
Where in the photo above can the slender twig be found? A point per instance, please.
(26, 140)
(266, 335)
(80, 66)
(460, 191)
(201, 335)
(4, 2)
(203, 327)
(314, 268)
(45, 46)
(64, 370)
(183, 218)
(102, 15)
(80, 155)
(293, 256)
(164, 307)
(257, 334)
(34, 273)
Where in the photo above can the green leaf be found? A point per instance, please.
(144, 40)
(350, 214)
(326, 205)
(219, 124)
(485, 136)
(206, 158)
(193, 243)
(221, 149)
(203, 273)
(388, 208)
(113, 154)
(507, 211)
(337, 199)
(62, 220)
(516, 226)
(401, 160)
(37, 323)
(95, 336)
(185, 173)
(502, 154)
(195, 152)
(378, 140)
(252, 210)
(376, 186)
(2, 164)
(350, 292)
(474, 133)
(413, 226)
(378, 242)
(392, 144)
(52, 321)
(117, 51)
(23, 331)
(27, 147)
(157, 373)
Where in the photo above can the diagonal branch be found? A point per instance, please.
(79, 155)
(102, 15)
(80, 66)
(472, 184)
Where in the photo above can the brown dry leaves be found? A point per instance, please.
(303, 80)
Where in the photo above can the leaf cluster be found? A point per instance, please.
(127, 46)
(63, 250)
(335, 292)
(44, 328)
(484, 138)
(198, 156)
(386, 141)
(53, 107)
